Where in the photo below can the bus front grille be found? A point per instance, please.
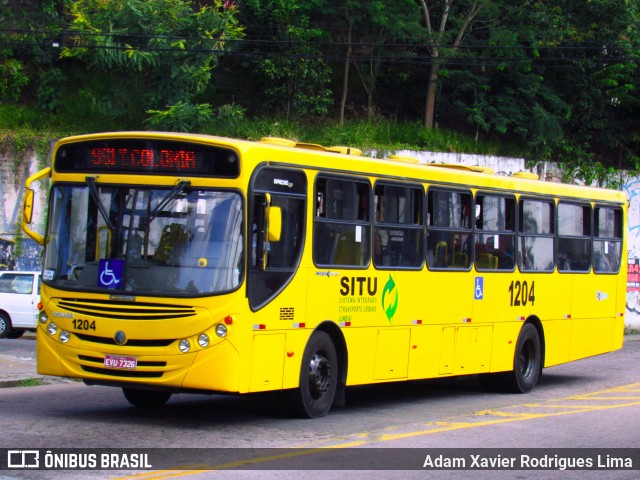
(121, 310)
(144, 368)
(122, 373)
(163, 342)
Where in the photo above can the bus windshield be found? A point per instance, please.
(169, 241)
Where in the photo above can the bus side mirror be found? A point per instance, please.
(27, 211)
(275, 224)
(28, 206)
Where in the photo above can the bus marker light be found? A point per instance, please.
(298, 325)
(184, 345)
(414, 347)
(260, 327)
(290, 354)
(521, 319)
(228, 319)
(221, 330)
(417, 322)
(567, 316)
(466, 320)
(345, 324)
(39, 306)
(203, 340)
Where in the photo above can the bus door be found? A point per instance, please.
(277, 203)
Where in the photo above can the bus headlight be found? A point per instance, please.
(64, 336)
(44, 318)
(184, 345)
(203, 340)
(52, 328)
(221, 330)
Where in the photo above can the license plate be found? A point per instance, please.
(116, 361)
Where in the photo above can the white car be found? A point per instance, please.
(19, 298)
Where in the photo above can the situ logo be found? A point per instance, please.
(390, 299)
(23, 459)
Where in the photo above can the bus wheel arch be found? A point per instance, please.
(322, 373)
(528, 359)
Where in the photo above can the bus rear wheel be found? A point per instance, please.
(527, 362)
(146, 398)
(318, 377)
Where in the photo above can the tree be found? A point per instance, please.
(27, 34)
(446, 23)
(165, 50)
(291, 67)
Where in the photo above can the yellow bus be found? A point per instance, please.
(190, 263)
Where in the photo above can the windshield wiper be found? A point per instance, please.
(177, 190)
(91, 181)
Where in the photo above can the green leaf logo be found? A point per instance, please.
(390, 299)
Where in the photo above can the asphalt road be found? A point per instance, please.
(589, 404)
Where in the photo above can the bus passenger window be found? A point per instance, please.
(449, 231)
(574, 238)
(535, 243)
(495, 240)
(398, 232)
(341, 227)
(607, 242)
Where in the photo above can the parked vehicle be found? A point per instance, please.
(19, 298)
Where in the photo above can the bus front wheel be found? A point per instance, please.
(318, 377)
(145, 398)
(527, 362)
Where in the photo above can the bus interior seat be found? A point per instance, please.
(486, 260)
(347, 251)
(460, 259)
(441, 254)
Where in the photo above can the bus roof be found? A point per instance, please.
(348, 160)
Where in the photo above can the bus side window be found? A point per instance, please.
(449, 233)
(398, 231)
(574, 237)
(536, 235)
(607, 241)
(495, 240)
(341, 227)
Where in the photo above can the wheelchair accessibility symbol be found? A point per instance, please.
(110, 273)
(478, 293)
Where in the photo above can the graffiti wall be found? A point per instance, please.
(632, 188)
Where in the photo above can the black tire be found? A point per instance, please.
(318, 377)
(527, 362)
(146, 398)
(16, 333)
(5, 326)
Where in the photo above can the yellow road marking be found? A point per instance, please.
(501, 417)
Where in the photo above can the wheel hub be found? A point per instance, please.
(319, 375)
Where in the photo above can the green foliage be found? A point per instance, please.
(541, 79)
(181, 117)
(12, 79)
(297, 84)
(295, 77)
(50, 90)
(165, 49)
